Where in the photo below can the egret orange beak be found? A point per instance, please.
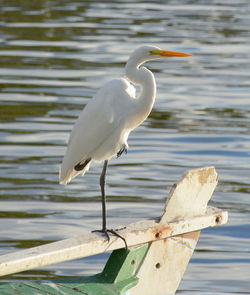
(165, 53)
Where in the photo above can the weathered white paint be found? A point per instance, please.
(165, 264)
(87, 245)
(166, 260)
(136, 233)
(189, 197)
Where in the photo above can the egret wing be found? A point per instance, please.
(97, 128)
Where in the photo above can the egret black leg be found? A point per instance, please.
(102, 184)
(104, 215)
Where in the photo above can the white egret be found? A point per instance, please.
(103, 127)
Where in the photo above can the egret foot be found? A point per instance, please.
(124, 149)
(106, 232)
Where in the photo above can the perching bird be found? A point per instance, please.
(103, 127)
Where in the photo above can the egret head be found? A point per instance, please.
(150, 52)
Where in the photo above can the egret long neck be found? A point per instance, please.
(145, 79)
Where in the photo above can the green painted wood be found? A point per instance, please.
(118, 276)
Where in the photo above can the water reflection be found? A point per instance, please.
(56, 54)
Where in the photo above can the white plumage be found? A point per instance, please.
(103, 127)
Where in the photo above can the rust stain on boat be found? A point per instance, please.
(161, 231)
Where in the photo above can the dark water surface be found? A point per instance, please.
(55, 55)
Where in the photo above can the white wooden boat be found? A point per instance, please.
(158, 250)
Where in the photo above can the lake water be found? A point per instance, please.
(55, 55)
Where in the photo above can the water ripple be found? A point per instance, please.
(56, 54)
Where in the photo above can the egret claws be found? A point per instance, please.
(106, 232)
(122, 150)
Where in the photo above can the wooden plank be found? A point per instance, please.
(190, 196)
(87, 245)
(165, 264)
(166, 260)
